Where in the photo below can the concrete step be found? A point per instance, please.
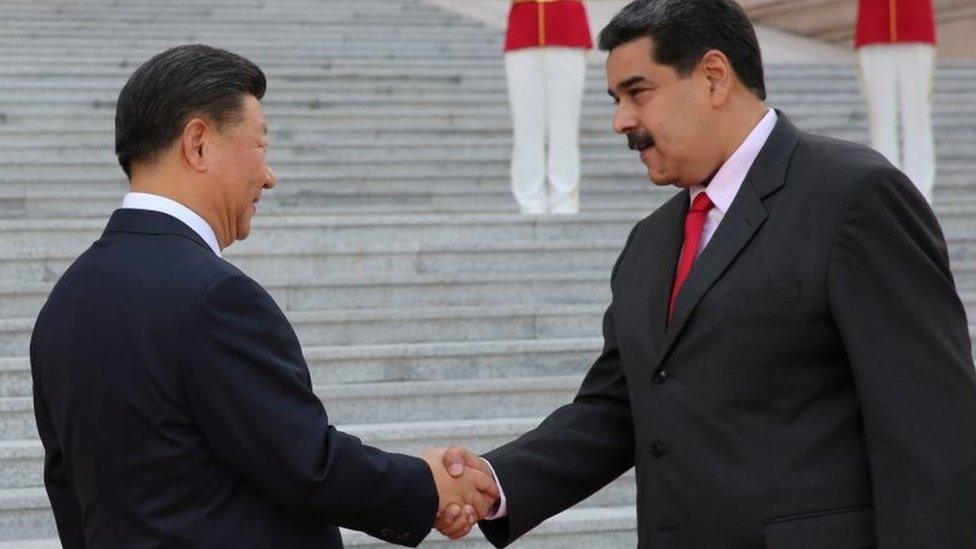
(161, 32)
(392, 234)
(302, 156)
(316, 72)
(282, 234)
(311, 144)
(310, 194)
(298, 156)
(300, 132)
(328, 258)
(19, 300)
(22, 459)
(320, 192)
(388, 402)
(444, 308)
(408, 362)
(94, 110)
(325, 256)
(605, 527)
(104, 170)
(477, 47)
(466, 124)
(344, 203)
(592, 526)
(463, 123)
(322, 96)
(404, 325)
(381, 113)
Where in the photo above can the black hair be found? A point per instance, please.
(683, 31)
(174, 86)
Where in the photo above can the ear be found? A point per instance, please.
(195, 135)
(719, 74)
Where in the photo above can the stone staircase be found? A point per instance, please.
(430, 312)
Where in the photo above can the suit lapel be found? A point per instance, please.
(744, 218)
(667, 247)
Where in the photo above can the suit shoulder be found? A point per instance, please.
(839, 165)
(126, 265)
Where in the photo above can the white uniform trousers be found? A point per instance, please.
(545, 91)
(899, 77)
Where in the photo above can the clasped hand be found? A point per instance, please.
(466, 490)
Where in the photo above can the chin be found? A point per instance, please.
(660, 180)
(243, 230)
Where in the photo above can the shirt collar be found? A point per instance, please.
(156, 203)
(729, 178)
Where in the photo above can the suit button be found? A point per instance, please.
(667, 525)
(661, 377)
(659, 449)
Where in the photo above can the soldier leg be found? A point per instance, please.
(879, 82)
(526, 95)
(915, 70)
(565, 83)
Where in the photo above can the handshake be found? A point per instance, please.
(466, 490)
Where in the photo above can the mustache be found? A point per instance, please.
(637, 141)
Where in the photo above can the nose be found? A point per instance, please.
(271, 180)
(624, 119)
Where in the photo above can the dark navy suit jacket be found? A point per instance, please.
(176, 410)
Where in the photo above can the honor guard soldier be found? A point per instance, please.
(545, 66)
(896, 45)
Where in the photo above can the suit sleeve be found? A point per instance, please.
(57, 477)
(578, 449)
(250, 390)
(905, 332)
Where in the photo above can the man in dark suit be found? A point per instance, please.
(786, 360)
(171, 395)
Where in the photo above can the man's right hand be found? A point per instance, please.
(465, 496)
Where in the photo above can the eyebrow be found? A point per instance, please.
(629, 83)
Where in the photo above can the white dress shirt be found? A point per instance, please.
(161, 204)
(721, 191)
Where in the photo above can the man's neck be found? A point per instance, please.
(177, 193)
(742, 125)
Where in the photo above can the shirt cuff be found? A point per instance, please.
(502, 510)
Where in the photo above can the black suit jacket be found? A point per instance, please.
(814, 389)
(176, 410)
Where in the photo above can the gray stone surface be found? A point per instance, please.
(429, 311)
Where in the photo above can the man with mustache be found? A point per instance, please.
(786, 360)
(171, 395)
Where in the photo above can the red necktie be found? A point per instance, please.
(694, 223)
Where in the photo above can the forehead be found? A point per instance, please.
(252, 113)
(252, 109)
(634, 58)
